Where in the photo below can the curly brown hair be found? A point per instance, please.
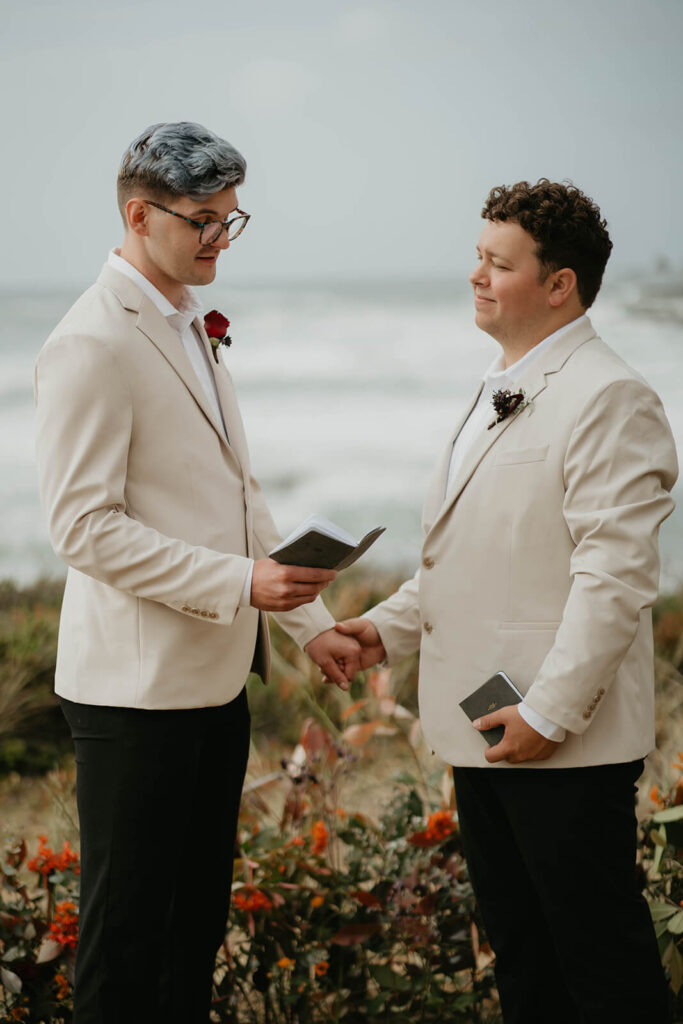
(565, 224)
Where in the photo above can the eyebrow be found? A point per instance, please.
(212, 213)
(495, 255)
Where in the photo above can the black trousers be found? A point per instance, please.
(158, 799)
(551, 855)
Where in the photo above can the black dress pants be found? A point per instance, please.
(551, 855)
(158, 799)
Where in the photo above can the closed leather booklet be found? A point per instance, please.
(318, 543)
(497, 692)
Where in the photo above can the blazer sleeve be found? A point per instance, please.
(398, 620)
(84, 424)
(307, 621)
(619, 466)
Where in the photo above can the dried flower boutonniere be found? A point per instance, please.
(507, 403)
(216, 326)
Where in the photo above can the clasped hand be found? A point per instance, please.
(351, 646)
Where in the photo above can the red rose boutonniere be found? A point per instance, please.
(507, 403)
(216, 326)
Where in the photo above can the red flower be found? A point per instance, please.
(46, 862)
(64, 928)
(250, 898)
(216, 326)
(320, 837)
(440, 824)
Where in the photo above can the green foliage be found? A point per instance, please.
(338, 918)
(38, 934)
(662, 853)
(33, 734)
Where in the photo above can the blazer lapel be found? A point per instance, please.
(226, 398)
(532, 382)
(156, 329)
(436, 491)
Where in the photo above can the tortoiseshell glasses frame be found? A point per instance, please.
(210, 231)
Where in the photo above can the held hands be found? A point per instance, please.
(371, 646)
(519, 743)
(280, 588)
(338, 657)
(341, 652)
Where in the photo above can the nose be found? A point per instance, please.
(478, 275)
(222, 242)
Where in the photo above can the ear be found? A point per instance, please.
(137, 216)
(562, 286)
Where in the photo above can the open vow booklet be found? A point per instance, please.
(320, 544)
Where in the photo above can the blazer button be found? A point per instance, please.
(186, 608)
(428, 562)
(195, 611)
(204, 614)
(587, 715)
(428, 627)
(213, 615)
(601, 692)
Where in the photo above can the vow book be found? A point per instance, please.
(318, 543)
(497, 692)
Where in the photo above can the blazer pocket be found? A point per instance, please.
(514, 456)
(528, 627)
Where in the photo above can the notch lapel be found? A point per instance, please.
(158, 331)
(436, 491)
(226, 398)
(532, 382)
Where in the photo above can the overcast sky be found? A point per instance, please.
(372, 130)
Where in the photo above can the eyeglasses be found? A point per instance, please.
(210, 232)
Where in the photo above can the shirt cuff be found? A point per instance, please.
(245, 599)
(544, 726)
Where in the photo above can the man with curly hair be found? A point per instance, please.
(540, 559)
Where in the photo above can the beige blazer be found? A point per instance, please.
(154, 512)
(542, 561)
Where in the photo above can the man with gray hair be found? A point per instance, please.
(145, 480)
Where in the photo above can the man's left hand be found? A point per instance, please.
(337, 656)
(520, 742)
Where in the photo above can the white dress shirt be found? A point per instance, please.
(499, 377)
(181, 322)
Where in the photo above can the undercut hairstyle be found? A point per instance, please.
(565, 224)
(175, 159)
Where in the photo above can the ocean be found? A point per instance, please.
(348, 393)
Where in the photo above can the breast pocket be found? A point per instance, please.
(517, 456)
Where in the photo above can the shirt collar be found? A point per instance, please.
(179, 318)
(497, 375)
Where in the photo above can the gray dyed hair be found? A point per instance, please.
(178, 159)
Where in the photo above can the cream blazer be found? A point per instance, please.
(542, 561)
(154, 512)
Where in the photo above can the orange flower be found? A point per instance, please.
(321, 968)
(286, 964)
(64, 928)
(320, 837)
(440, 824)
(317, 901)
(46, 862)
(62, 983)
(250, 898)
(655, 797)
